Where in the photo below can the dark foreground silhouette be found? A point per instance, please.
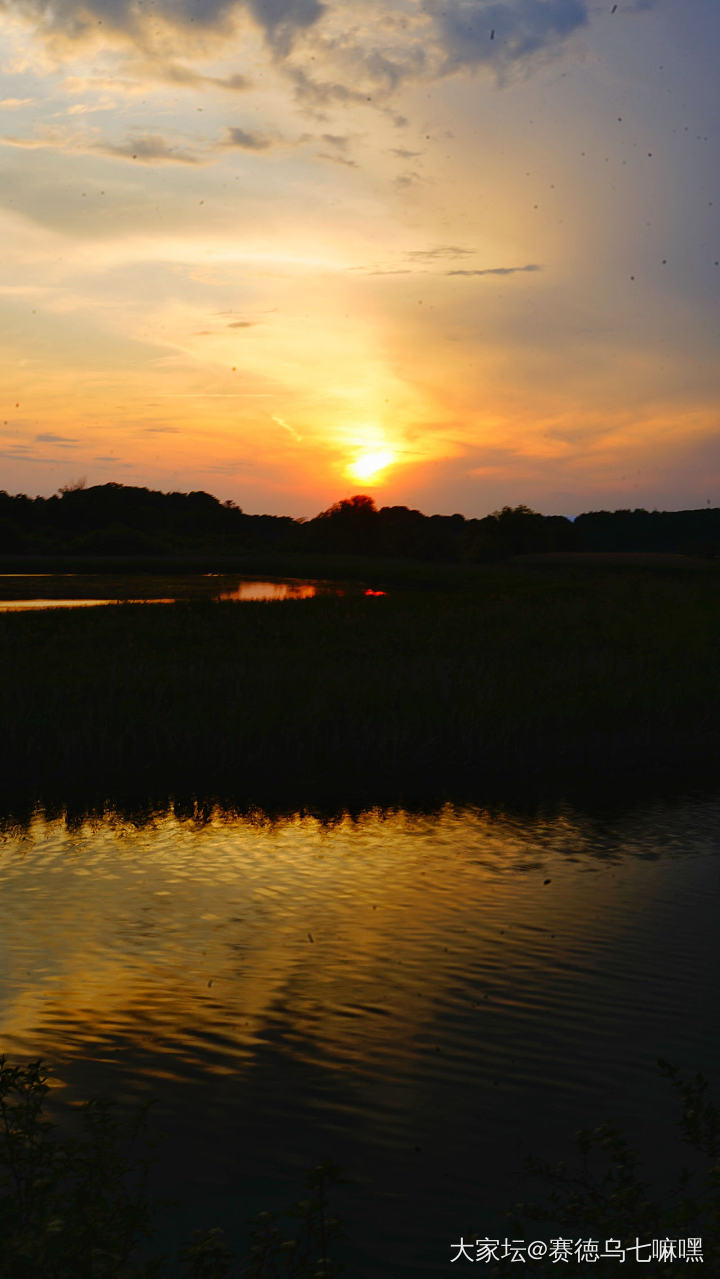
(521, 677)
(75, 1204)
(121, 520)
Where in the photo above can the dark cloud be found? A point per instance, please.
(499, 270)
(522, 28)
(49, 438)
(242, 324)
(402, 154)
(245, 141)
(149, 148)
(75, 20)
(281, 19)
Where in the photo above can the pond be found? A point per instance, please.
(421, 998)
(20, 592)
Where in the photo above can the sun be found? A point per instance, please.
(370, 465)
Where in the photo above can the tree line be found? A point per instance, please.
(118, 519)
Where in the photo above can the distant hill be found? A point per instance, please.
(122, 520)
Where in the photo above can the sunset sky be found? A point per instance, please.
(451, 253)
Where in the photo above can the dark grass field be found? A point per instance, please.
(520, 676)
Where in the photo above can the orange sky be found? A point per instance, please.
(284, 251)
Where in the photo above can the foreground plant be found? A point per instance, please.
(604, 1196)
(293, 1244)
(70, 1207)
(77, 1207)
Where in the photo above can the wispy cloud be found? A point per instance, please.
(337, 159)
(498, 270)
(440, 252)
(325, 93)
(286, 427)
(148, 148)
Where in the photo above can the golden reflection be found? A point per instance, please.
(341, 941)
(270, 591)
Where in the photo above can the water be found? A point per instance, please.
(421, 998)
(20, 592)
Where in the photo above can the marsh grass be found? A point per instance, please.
(523, 674)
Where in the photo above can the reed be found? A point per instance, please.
(517, 676)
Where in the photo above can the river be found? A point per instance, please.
(422, 998)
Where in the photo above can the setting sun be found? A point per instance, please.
(370, 466)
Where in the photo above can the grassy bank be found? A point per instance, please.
(526, 674)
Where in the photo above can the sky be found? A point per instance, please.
(455, 254)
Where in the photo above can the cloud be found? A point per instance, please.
(336, 159)
(52, 138)
(242, 324)
(505, 32)
(439, 252)
(324, 93)
(144, 68)
(499, 270)
(425, 258)
(176, 73)
(282, 19)
(11, 104)
(244, 141)
(407, 179)
(49, 438)
(16, 456)
(286, 427)
(76, 21)
(148, 148)
(339, 140)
